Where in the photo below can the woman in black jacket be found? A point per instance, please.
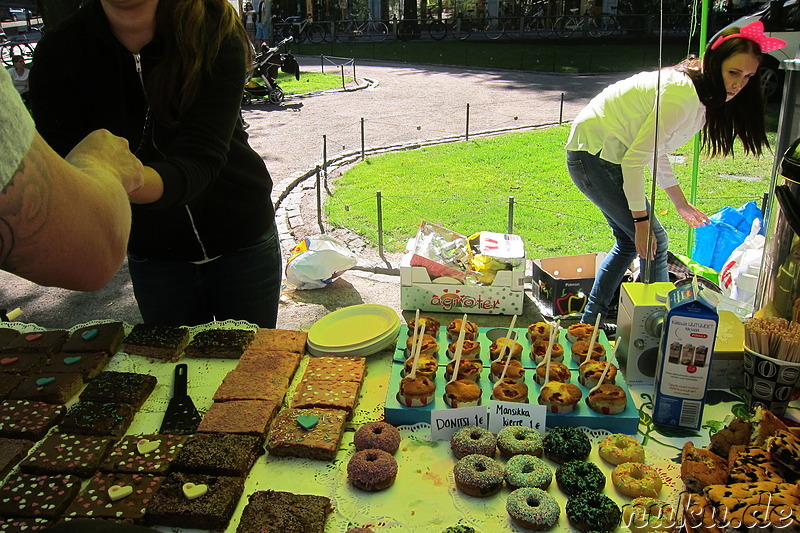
(168, 77)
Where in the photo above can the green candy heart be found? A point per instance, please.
(307, 421)
(69, 361)
(41, 382)
(89, 334)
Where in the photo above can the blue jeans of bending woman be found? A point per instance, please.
(244, 284)
(601, 182)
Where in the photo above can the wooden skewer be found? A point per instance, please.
(459, 349)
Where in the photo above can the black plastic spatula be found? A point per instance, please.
(181, 417)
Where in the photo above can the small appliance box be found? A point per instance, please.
(562, 284)
(505, 296)
(684, 358)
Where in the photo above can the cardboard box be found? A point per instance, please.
(685, 357)
(562, 284)
(505, 296)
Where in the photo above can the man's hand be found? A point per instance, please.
(103, 151)
(642, 232)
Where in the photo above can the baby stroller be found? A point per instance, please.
(266, 63)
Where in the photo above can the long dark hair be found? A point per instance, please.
(741, 117)
(193, 31)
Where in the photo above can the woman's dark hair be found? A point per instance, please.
(193, 31)
(742, 116)
(16, 58)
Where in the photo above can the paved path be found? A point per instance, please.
(402, 105)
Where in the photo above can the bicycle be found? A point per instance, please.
(16, 45)
(600, 25)
(300, 30)
(351, 29)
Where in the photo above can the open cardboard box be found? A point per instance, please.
(562, 284)
(505, 296)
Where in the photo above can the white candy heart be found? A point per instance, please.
(146, 446)
(117, 492)
(192, 491)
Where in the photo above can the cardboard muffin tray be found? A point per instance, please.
(398, 414)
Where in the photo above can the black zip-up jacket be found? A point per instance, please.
(216, 187)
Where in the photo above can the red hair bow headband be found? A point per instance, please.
(754, 32)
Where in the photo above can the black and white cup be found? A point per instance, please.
(769, 382)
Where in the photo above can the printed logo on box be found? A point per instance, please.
(448, 300)
(569, 303)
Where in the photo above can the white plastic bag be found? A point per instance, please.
(739, 274)
(315, 262)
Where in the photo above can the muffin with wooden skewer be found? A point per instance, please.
(467, 369)
(507, 346)
(454, 327)
(558, 372)
(607, 399)
(431, 325)
(514, 372)
(508, 390)
(579, 331)
(462, 393)
(427, 365)
(580, 350)
(540, 331)
(470, 349)
(429, 346)
(539, 350)
(590, 371)
(416, 391)
(560, 397)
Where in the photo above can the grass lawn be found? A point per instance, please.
(466, 186)
(310, 82)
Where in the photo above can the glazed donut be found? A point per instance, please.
(478, 475)
(372, 470)
(515, 372)
(377, 435)
(648, 514)
(558, 372)
(619, 448)
(538, 331)
(636, 479)
(454, 329)
(528, 471)
(607, 399)
(430, 324)
(563, 444)
(579, 476)
(516, 440)
(473, 440)
(539, 352)
(532, 508)
(592, 511)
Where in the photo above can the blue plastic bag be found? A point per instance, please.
(728, 228)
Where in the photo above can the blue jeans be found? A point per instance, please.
(601, 182)
(243, 284)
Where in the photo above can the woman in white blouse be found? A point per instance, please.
(614, 138)
(19, 75)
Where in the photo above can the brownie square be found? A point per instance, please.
(327, 395)
(98, 418)
(238, 385)
(50, 388)
(95, 501)
(28, 420)
(37, 496)
(143, 454)
(41, 342)
(281, 339)
(97, 338)
(158, 342)
(218, 454)
(18, 525)
(8, 382)
(271, 363)
(336, 369)
(274, 511)
(12, 451)
(120, 387)
(22, 363)
(88, 365)
(220, 343)
(288, 438)
(247, 417)
(6, 336)
(213, 510)
(59, 453)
